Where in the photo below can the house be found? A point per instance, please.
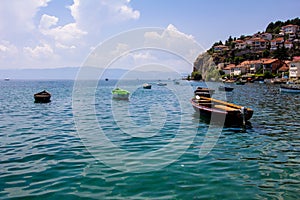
(266, 36)
(221, 48)
(294, 68)
(288, 44)
(252, 66)
(260, 43)
(229, 69)
(271, 65)
(239, 70)
(289, 29)
(240, 44)
(257, 43)
(277, 42)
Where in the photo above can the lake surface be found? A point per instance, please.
(146, 148)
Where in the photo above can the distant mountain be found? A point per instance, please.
(71, 73)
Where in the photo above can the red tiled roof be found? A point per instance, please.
(284, 68)
(230, 66)
(268, 60)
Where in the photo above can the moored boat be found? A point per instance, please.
(290, 88)
(206, 92)
(161, 84)
(147, 86)
(231, 114)
(225, 88)
(42, 97)
(120, 94)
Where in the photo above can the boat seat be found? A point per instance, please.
(227, 108)
(206, 104)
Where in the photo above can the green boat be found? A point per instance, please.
(121, 94)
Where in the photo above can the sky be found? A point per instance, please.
(56, 33)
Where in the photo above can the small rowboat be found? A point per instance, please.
(290, 88)
(120, 94)
(231, 114)
(42, 97)
(146, 86)
(226, 88)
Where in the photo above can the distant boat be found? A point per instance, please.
(42, 97)
(120, 94)
(226, 88)
(290, 88)
(6, 79)
(176, 82)
(146, 86)
(106, 79)
(161, 84)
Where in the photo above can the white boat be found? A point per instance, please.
(6, 79)
(161, 84)
(120, 94)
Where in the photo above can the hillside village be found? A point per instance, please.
(275, 52)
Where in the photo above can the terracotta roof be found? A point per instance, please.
(289, 25)
(284, 68)
(239, 41)
(268, 60)
(230, 66)
(280, 39)
(249, 62)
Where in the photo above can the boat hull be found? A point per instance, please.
(226, 89)
(290, 89)
(42, 97)
(121, 96)
(147, 86)
(210, 111)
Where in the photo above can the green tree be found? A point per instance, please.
(266, 53)
(196, 76)
(281, 53)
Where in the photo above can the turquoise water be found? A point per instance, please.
(44, 156)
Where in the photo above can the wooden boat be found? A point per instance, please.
(226, 88)
(206, 92)
(146, 86)
(120, 94)
(42, 97)
(290, 88)
(231, 113)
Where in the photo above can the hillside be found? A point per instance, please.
(280, 40)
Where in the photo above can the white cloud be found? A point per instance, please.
(16, 17)
(141, 47)
(7, 50)
(30, 31)
(172, 40)
(66, 36)
(39, 52)
(91, 15)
